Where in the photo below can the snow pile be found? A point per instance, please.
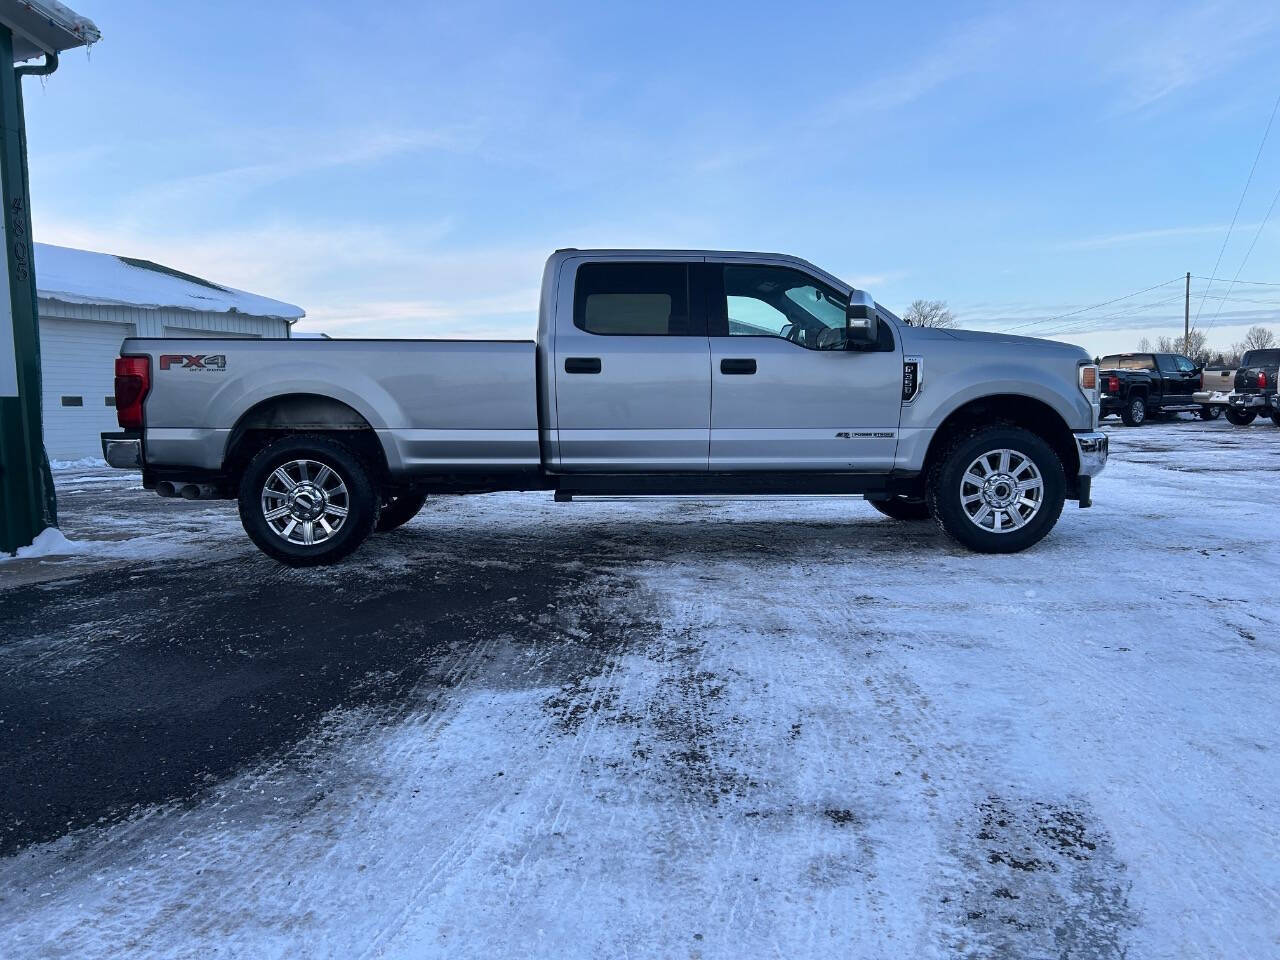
(49, 542)
(82, 276)
(84, 463)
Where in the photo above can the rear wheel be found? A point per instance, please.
(1134, 413)
(400, 510)
(903, 508)
(1211, 412)
(1241, 418)
(997, 489)
(307, 500)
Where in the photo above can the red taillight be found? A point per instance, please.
(1113, 384)
(133, 380)
(1262, 379)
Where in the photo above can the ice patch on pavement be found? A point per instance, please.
(84, 463)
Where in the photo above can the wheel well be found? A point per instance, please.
(302, 413)
(1026, 412)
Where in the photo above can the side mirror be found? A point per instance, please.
(861, 323)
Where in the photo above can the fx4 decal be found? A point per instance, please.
(215, 361)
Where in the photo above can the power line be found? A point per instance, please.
(1240, 203)
(1247, 253)
(1252, 283)
(1095, 324)
(1104, 303)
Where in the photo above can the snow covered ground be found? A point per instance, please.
(705, 728)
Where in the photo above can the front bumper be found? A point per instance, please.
(122, 450)
(1208, 397)
(1093, 448)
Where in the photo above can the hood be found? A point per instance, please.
(1008, 338)
(1001, 342)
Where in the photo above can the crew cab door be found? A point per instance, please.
(1178, 378)
(632, 369)
(785, 393)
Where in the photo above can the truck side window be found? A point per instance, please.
(1184, 365)
(769, 301)
(1166, 362)
(633, 299)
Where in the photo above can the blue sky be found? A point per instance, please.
(404, 169)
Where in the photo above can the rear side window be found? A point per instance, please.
(1128, 361)
(633, 299)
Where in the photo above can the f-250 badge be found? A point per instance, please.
(215, 361)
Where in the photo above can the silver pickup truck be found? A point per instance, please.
(653, 372)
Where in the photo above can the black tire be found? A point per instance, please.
(1275, 418)
(945, 494)
(903, 508)
(1134, 412)
(400, 510)
(361, 501)
(1211, 411)
(1241, 418)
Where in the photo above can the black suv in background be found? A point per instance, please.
(1137, 385)
(1255, 388)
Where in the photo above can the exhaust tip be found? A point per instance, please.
(166, 489)
(190, 491)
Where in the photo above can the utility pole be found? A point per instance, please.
(1186, 316)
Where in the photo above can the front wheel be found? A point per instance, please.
(307, 500)
(1241, 418)
(997, 489)
(1134, 413)
(1210, 412)
(903, 508)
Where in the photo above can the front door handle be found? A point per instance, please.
(581, 364)
(737, 365)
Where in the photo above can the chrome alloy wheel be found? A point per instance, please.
(1002, 490)
(305, 502)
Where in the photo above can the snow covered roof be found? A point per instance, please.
(45, 26)
(82, 276)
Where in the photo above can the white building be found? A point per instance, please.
(89, 302)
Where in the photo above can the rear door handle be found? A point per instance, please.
(581, 364)
(737, 365)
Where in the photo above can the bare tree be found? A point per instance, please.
(1258, 338)
(929, 313)
(1144, 345)
(1196, 346)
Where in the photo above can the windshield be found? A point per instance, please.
(1261, 358)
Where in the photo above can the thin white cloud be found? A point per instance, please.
(1138, 237)
(966, 50)
(1167, 50)
(349, 149)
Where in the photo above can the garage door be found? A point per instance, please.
(186, 332)
(77, 360)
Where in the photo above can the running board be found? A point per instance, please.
(720, 484)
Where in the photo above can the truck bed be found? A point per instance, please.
(456, 405)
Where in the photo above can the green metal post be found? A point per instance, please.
(27, 503)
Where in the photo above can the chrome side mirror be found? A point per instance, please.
(861, 323)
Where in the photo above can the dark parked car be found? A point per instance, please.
(1255, 388)
(1137, 385)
